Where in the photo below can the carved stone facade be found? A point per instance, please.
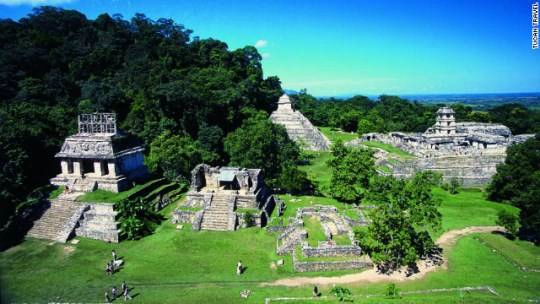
(97, 158)
(298, 127)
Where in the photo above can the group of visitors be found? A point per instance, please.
(110, 269)
(114, 295)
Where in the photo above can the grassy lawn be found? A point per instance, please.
(185, 266)
(112, 197)
(336, 134)
(318, 171)
(524, 254)
(315, 231)
(389, 148)
(467, 208)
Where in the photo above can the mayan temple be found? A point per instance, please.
(299, 128)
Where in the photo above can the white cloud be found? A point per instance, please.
(259, 44)
(33, 2)
(265, 55)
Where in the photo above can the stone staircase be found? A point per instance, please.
(220, 216)
(82, 185)
(58, 221)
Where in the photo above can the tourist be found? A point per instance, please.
(126, 294)
(239, 268)
(316, 291)
(113, 255)
(108, 269)
(107, 299)
(124, 286)
(113, 292)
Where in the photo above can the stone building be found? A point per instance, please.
(298, 127)
(99, 156)
(468, 151)
(220, 197)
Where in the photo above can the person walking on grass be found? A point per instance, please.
(113, 292)
(239, 268)
(113, 255)
(126, 294)
(107, 299)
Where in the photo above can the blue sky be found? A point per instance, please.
(345, 47)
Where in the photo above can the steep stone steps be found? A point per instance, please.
(218, 216)
(299, 128)
(58, 221)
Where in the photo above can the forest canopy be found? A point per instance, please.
(157, 77)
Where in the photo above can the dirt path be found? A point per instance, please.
(445, 241)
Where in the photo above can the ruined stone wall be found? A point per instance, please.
(471, 171)
(331, 251)
(99, 223)
(330, 266)
(183, 216)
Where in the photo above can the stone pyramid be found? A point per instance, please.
(299, 128)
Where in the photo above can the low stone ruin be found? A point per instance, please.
(298, 127)
(226, 198)
(293, 240)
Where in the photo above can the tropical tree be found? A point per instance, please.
(259, 143)
(175, 156)
(517, 182)
(352, 170)
(399, 232)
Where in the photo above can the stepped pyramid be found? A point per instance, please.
(298, 126)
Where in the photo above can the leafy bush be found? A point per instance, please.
(509, 221)
(137, 218)
(249, 218)
(392, 291)
(454, 186)
(343, 294)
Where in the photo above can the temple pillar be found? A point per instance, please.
(78, 167)
(112, 168)
(64, 165)
(98, 170)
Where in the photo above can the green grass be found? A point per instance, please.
(56, 192)
(318, 170)
(389, 148)
(334, 134)
(341, 239)
(104, 196)
(524, 254)
(315, 231)
(467, 208)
